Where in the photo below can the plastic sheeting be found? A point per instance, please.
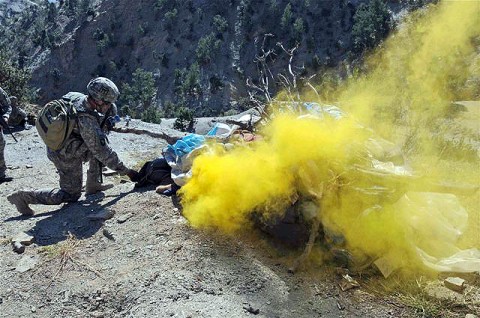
(180, 156)
(433, 223)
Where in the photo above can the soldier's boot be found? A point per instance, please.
(95, 187)
(94, 182)
(92, 186)
(21, 203)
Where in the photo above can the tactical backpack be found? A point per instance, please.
(55, 122)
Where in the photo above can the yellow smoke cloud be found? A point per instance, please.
(227, 187)
(419, 70)
(403, 96)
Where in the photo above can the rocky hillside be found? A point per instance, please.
(199, 54)
(12, 7)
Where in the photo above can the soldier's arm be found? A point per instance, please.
(96, 141)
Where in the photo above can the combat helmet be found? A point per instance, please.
(101, 88)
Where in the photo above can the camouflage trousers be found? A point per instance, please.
(3, 166)
(71, 174)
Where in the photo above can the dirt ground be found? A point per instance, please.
(153, 264)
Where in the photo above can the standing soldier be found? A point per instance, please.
(5, 110)
(18, 117)
(87, 142)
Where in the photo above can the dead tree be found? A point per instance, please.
(289, 81)
(267, 82)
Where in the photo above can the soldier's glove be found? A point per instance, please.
(133, 175)
(111, 121)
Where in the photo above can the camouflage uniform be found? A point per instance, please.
(5, 110)
(86, 143)
(94, 166)
(18, 117)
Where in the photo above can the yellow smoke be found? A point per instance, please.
(404, 96)
(413, 78)
(227, 187)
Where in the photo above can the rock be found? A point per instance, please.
(251, 310)
(18, 247)
(104, 214)
(23, 238)
(97, 314)
(28, 166)
(123, 218)
(26, 263)
(348, 283)
(470, 316)
(108, 234)
(455, 283)
(437, 290)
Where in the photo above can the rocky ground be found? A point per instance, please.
(147, 261)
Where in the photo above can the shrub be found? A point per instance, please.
(287, 16)
(185, 119)
(230, 112)
(141, 92)
(216, 84)
(371, 25)
(207, 46)
(187, 82)
(14, 80)
(152, 115)
(220, 23)
(298, 29)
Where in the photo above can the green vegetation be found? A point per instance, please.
(287, 16)
(140, 94)
(207, 46)
(187, 82)
(220, 23)
(372, 23)
(14, 80)
(103, 41)
(298, 29)
(216, 84)
(152, 115)
(185, 119)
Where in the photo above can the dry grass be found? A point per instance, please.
(65, 252)
(411, 292)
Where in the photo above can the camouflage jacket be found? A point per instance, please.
(87, 138)
(5, 106)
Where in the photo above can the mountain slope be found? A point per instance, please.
(223, 38)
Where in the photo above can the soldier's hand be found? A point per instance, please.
(133, 175)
